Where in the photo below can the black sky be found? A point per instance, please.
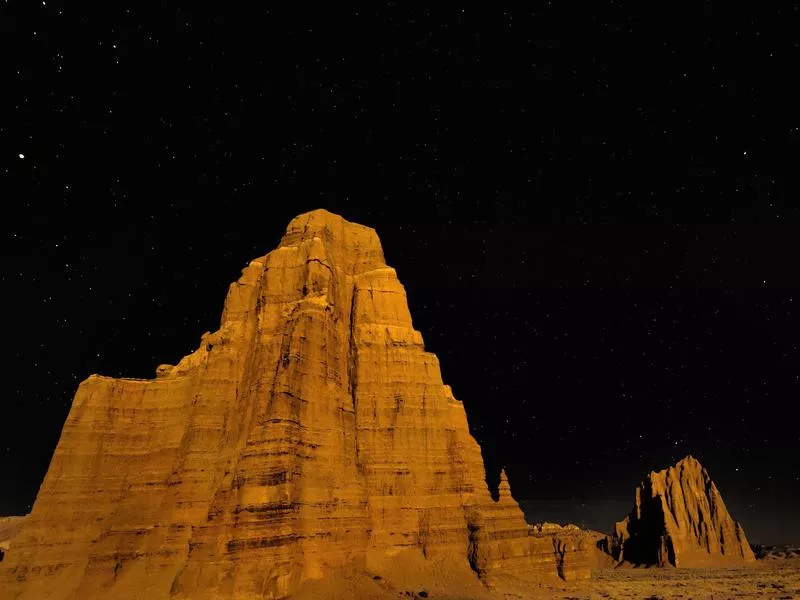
(594, 215)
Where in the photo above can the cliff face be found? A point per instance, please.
(679, 519)
(9, 526)
(310, 434)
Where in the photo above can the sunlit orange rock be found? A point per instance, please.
(9, 526)
(310, 435)
(679, 519)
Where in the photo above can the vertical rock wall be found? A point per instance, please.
(312, 433)
(679, 519)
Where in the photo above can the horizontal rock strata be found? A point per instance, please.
(9, 526)
(310, 434)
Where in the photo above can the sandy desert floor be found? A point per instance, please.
(779, 579)
(766, 579)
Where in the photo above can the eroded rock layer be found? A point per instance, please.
(679, 519)
(311, 434)
(9, 526)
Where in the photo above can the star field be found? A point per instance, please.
(593, 212)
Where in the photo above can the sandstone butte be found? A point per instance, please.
(310, 436)
(679, 519)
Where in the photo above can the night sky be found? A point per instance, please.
(594, 215)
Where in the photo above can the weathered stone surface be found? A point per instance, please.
(589, 548)
(679, 519)
(311, 434)
(598, 546)
(9, 526)
(503, 545)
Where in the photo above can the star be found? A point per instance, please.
(21, 156)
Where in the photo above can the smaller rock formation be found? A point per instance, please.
(776, 552)
(504, 547)
(598, 547)
(679, 519)
(8, 529)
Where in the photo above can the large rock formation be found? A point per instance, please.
(310, 435)
(679, 519)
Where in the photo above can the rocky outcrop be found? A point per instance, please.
(503, 546)
(311, 434)
(596, 544)
(9, 526)
(776, 552)
(679, 519)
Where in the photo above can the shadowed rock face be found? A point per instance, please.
(310, 434)
(679, 519)
(775, 552)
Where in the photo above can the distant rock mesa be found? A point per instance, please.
(679, 519)
(310, 435)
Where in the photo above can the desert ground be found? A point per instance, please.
(764, 579)
(771, 578)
